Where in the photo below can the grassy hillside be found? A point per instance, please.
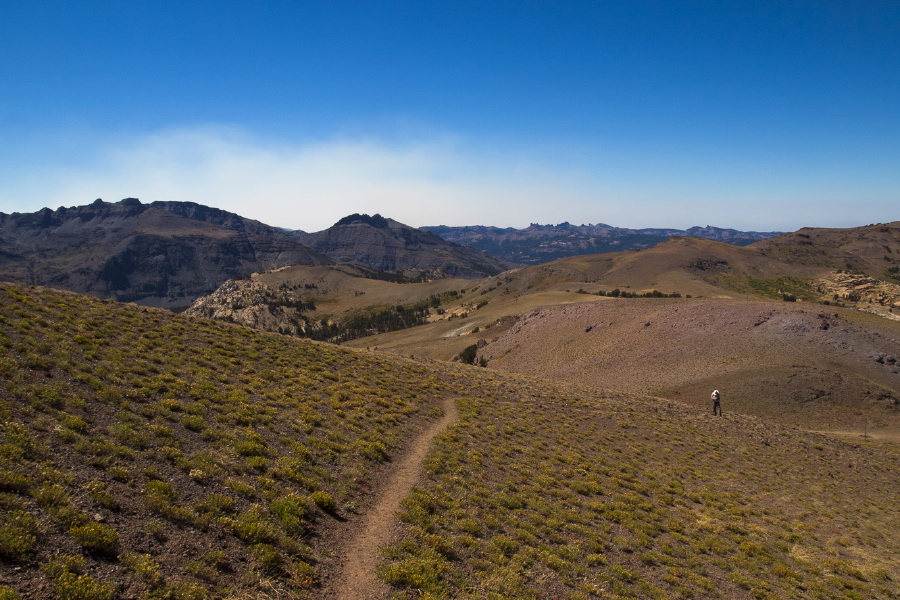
(151, 455)
(585, 495)
(148, 454)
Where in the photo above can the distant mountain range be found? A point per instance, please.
(542, 243)
(167, 254)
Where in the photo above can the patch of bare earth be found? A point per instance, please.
(798, 364)
(359, 539)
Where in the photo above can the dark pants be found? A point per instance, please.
(717, 407)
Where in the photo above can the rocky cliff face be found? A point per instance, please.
(163, 254)
(386, 245)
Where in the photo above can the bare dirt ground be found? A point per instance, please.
(358, 552)
(797, 364)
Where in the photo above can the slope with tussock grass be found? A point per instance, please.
(145, 454)
(150, 455)
(586, 495)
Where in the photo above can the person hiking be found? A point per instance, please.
(715, 400)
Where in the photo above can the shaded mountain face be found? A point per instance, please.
(386, 245)
(163, 254)
(543, 243)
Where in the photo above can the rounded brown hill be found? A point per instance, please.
(799, 364)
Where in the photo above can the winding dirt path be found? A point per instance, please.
(357, 580)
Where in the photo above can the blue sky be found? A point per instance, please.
(766, 115)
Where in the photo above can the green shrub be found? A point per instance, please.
(18, 535)
(323, 500)
(216, 559)
(424, 573)
(120, 474)
(159, 490)
(252, 527)
(71, 586)
(193, 422)
(467, 356)
(97, 538)
(290, 511)
(144, 568)
(251, 448)
(267, 557)
(7, 593)
(201, 570)
(10, 481)
(74, 422)
(70, 583)
(51, 494)
(63, 563)
(374, 451)
(215, 504)
(97, 490)
(183, 590)
(244, 489)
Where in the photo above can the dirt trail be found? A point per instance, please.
(356, 579)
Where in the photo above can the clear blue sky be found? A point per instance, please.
(766, 115)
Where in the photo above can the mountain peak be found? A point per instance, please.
(375, 220)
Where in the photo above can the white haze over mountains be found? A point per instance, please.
(429, 180)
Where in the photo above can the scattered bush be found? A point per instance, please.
(144, 567)
(467, 356)
(323, 500)
(18, 535)
(71, 583)
(7, 593)
(97, 538)
(267, 557)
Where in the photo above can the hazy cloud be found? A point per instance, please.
(443, 180)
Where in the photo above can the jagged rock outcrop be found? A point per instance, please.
(386, 245)
(163, 254)
(253, 304)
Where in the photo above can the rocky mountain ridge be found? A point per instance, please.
(387, 245)
(162, 254)
(167, 254)
(543, 243)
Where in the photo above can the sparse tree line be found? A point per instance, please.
(394, 318)
(617, 293)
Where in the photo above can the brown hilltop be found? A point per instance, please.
(686, 265)
(871, 249)
(795, 363)
(386, 245)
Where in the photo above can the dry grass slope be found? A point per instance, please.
(150, 455)
(578, 494)
(144, 454)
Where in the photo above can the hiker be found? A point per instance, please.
(715, 400)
